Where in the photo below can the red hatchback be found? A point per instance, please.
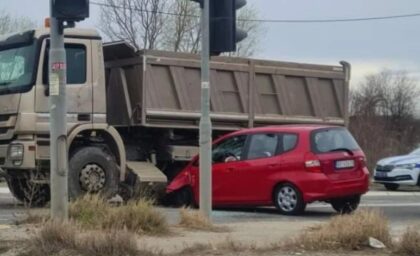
(286, 166)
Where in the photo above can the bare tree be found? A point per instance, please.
(247, 17)
(389, 93)
(383, 109)
(182, 32)
(10, 24)
(140, 22)
(169, 25)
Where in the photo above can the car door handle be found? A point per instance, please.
(231, 169)
(273, 165)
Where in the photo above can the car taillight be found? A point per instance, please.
(312, 163)
(362, 161)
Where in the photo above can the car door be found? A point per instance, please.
(268, 156)
(261, 161)
(228, 157)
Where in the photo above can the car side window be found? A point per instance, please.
(76, 64)
(289, 142)
(262, 146)
(230, 149)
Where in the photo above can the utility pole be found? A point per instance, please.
(58, 120)
(63, 14)
(205, 121)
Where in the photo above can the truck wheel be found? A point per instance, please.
(92, 170)
(345, 205)
(391, 187)
(288, 200)
(32, 195)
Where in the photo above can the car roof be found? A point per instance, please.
(286, 128)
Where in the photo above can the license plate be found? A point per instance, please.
(344, 164)
(381, 174)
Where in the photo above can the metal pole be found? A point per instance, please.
(58, 122)
(205, 121)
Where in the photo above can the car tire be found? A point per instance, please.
(183, 197)
(92, 170)
(289, 200)
(391, 187)
(346, 205)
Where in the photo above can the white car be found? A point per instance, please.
(398, 170)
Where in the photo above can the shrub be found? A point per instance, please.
(345, 232)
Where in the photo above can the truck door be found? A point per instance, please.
(79, 81)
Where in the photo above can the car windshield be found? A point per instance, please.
(333, 139)
(16, 68)
(416, 152)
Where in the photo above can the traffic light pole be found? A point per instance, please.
(58, 122)
(205, 121)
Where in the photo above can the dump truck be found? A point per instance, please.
(133, 116)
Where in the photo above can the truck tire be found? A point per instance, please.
(92, 170)
(346, 205)
(289, 200)
(32, 195)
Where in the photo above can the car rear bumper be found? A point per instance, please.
(327, 189)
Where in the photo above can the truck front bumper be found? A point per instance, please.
(28, 158)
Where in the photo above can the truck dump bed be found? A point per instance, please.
(162, 89)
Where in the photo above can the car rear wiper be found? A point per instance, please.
(342, 149)
(5, 83)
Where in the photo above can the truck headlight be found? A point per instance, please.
(406, 166)
(16, 154)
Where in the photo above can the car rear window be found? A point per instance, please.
(332, 139)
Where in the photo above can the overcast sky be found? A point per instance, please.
(368, 46)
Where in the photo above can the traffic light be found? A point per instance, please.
(70, 10)
(224, 34)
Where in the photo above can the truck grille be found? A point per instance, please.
(7, 125)
(384, 168)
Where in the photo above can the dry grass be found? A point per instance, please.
(113, 243)
(52, 238)
(56, 237)
(137, 216)
(31, 218)
(195, 220)
(349, 232)
(410, 242)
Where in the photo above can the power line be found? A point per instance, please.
(359, 19)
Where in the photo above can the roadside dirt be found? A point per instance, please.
(256, 237)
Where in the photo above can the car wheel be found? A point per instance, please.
(92, 170)
(346, 205)
(183, 197)
(391, 187)
(288, 199)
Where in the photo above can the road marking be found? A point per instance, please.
(4, 191)
(371, 205)
(396, 193)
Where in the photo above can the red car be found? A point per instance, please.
(286, 166)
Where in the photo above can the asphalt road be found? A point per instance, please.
(402, 209)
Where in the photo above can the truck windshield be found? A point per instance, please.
(17, 69)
